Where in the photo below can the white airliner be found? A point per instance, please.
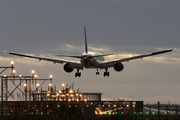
(92, 60)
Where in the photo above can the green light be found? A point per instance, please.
(153, 113)
(109, 112)
(116, 112)
(140, 112)
(146, 112)
(41, 113)
(48, 113)
(29, 113)
(134, 112)
(165, 113)
(122, 112)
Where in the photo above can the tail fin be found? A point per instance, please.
(86, 49)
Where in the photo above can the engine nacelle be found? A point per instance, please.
(118, 66)
(67, 69)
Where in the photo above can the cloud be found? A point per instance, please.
(163, 59)
(162, 99)
(23, 61)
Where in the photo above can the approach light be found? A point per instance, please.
(50, 76)
(50, 84)
(12, 62)
(35, 76)
(20, 76)
(13, 71)
(37, 85)
(32, 71)
(25, 85)
(63, 84)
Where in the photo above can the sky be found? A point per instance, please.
(125, 28)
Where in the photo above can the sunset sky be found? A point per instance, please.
(125, 28)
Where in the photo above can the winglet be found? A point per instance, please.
(86, 49)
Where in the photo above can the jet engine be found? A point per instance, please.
(67, 69)
(118, 66)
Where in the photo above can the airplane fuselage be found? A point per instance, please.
(89, 62)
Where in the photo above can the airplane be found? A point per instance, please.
(93, 60)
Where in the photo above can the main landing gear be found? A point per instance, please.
(78, 73)
(106, 73)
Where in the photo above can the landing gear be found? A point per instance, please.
(106, 73)
(78, 73)
(97, 73)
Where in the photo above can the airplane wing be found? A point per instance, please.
(41, 58)
(106, 64)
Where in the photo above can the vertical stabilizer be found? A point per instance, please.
(86, 49)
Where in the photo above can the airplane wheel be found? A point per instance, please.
(104, 74)
(79, 74)
(107, 74)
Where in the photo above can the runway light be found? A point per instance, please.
(153, 113)
(20, 76)
(4, 75)
(12, 110)
(71, 91)
(134, 112)
(60, 91)
(63, 84)
(147, 113)
(50, 84)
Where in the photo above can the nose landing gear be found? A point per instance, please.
(97, 73)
